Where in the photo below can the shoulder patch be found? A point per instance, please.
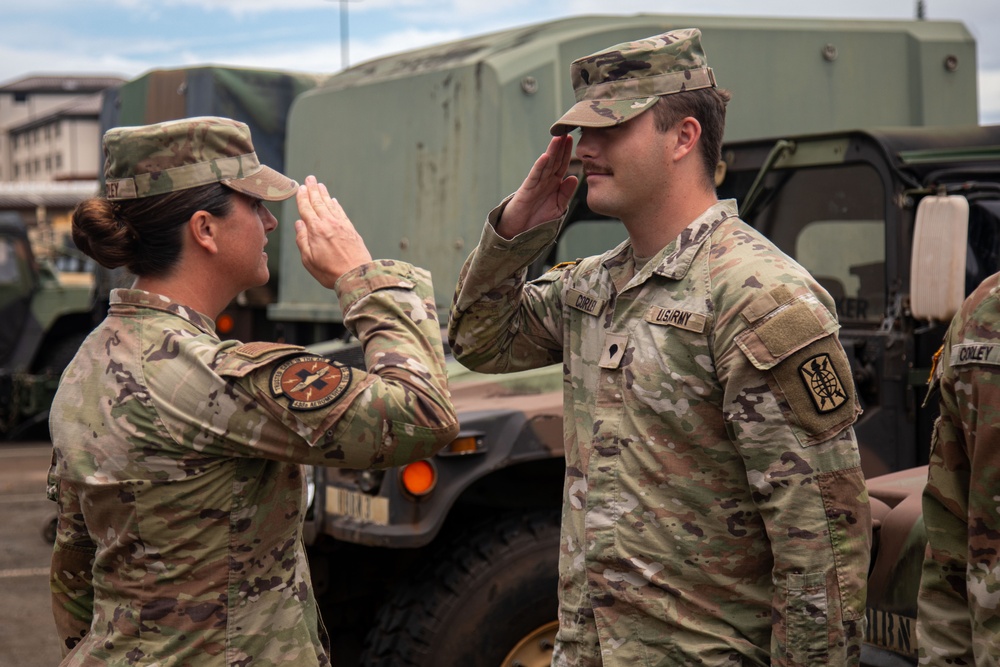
(310, 382)
(822, 383)
(818, 388)
(254, 351)
(244, 359)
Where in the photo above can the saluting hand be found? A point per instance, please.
(544, 194)
(328, 242)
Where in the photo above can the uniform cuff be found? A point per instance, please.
(372, 276)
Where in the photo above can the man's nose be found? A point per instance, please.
(585, 145)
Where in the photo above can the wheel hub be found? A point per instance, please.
(535, 650)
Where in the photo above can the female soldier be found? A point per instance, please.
(177, 455)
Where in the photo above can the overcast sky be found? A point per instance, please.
(129, 37)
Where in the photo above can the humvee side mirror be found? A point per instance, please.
(937, 266)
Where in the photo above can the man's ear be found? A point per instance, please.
(688, 135)
(203, 230)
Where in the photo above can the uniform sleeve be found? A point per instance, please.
(959, 597)
(70, 576)
(789, 406)
(299, 407)
(498, 323)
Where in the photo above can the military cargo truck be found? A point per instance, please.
(453, 560)
(419, 146)
(46, 314)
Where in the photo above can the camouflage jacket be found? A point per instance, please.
(714, 510)
(177, 470)
(958, 607)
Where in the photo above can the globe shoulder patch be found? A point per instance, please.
(818, 388)
(822, 383)
(309, 382)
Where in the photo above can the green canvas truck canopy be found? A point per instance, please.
(419, 146)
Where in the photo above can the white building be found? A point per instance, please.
(50, 128)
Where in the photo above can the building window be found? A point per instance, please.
(48, 164)
(13, 140)
(21, 97)
(48, 132)
(58, 129)
(17, 171)
(58, 160)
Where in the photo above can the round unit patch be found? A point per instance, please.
(310, 382)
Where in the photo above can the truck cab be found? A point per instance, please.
(846, 206)
(46, 315)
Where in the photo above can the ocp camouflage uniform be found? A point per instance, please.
(714, 510)
(958, 609)
(177, 469)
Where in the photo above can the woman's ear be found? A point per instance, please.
(203, 231)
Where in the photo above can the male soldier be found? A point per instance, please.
(714, 511)
(958, 608)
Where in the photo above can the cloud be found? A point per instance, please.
(129, 37)
(989, 96)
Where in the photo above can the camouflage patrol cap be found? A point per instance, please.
(620, 82)
(148, 160)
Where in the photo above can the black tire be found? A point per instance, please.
(487, 592)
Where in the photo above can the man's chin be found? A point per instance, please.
(598, 205)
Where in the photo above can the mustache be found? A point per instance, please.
(595, 168)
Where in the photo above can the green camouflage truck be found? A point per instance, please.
(452, 561)
(46, 313)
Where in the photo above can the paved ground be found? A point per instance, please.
(27, 633)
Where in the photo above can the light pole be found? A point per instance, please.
(344, 35)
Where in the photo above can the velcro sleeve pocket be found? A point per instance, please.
(788, 329)
(809, 369)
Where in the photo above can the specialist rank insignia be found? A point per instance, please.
(310, 383)
(822, 383)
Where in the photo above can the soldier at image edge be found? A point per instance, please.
(714, 508)
(958, 606)
(177, 456)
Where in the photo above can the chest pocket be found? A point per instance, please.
(671, 357)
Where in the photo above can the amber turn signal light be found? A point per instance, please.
(225, 323)
(419, 478)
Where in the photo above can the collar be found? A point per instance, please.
(675, 259)
(142, 299)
